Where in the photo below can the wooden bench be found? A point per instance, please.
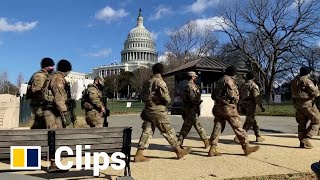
(107, 139)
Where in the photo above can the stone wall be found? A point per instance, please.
(9, 111)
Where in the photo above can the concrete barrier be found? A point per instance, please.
(9, 111)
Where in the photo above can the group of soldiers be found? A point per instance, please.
(48, 91)
(230, 99)
(226, 95)
(50, 97)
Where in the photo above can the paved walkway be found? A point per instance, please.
(278, 154)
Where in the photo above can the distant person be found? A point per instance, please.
(249, 99)
(303, 92)
(156, 97)
(93, 104)
(226, 97)
(191, 98)
(35, 91)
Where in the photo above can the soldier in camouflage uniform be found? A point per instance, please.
(93, 103)
(304, 91)
(226, 97)
(249, 99)
(191, 98)
(36, 86)
(55, 110)
(156, 97)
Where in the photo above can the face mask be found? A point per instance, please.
(50, 71)
(100, 86)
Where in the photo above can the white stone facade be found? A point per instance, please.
(75, 76)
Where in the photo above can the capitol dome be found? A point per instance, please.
(139, 46)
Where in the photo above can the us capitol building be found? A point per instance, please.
(139, 50)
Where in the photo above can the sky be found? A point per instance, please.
(88, 33)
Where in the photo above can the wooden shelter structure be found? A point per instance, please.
(209, 70)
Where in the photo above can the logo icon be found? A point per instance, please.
(25, 157)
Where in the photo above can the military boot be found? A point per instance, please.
(214, 152)
(250, 149)
(206, 143)
(181, 152)
(260, 139)
(139, 157)
(305, 143)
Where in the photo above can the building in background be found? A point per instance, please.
(139, 51)
(75, 76)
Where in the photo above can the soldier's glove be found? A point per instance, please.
(66, 118)
(263, 109)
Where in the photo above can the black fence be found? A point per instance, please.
(25, 110)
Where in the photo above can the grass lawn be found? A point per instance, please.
(284, 109)
(116, 107)
(119, 107)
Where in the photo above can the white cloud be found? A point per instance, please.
(17, 26)
(213, 23)
(154, 35)
(101, 53)
(297, 2)
(200, 5)
(318, 43)
(202, 25)
(160, 12)
(108, 14)
(163, 58)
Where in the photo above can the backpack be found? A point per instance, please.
(45, 89)
(29, 93)
(295, 88)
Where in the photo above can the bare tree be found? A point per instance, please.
(189, 41)
(266, 32)
(20, 80)
(4, 83)
(141, 75)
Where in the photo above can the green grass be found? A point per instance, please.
(284, 109)
(119, 107)
(116, 107)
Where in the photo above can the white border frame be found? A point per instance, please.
(25, 157)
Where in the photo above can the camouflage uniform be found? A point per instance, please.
(249, 99)
(55, 108)
(190, 111)
(304, 91)
(156, 97)
(93, 106)
(226, 96)
(37, 84)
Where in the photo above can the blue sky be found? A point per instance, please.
(88, 33)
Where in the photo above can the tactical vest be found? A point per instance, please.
(298, 89)
(47, 92)
(245, 91)
(220, 91)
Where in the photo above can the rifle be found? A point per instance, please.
(107, 113)
(198, 107)
(71, 105)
